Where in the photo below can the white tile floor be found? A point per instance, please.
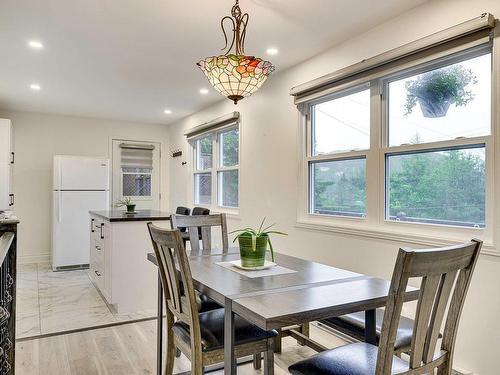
(49, 302)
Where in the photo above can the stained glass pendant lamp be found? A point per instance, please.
(235, 74)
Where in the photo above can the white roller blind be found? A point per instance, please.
(472, 33)
(136, 156)
(210, 126)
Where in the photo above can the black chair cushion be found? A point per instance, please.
(354, 325)
(207, 304)
(212, 331)
(352, 359)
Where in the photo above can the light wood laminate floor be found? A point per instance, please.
(128, 349)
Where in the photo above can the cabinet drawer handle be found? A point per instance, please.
(102, 234)
(92, 226)
(11, 158)
(98, 273)
(98, 248)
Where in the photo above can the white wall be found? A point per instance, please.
(269, 173)
(37, 137)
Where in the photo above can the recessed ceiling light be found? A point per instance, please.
(35, 44)
(35, 87)
(203, 91)
(272, 51)
(167, 112)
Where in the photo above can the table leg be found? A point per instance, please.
(229, 358)
(371, 327)
(159, 328)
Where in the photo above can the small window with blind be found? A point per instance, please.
(136, 169)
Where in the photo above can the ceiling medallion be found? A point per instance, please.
(234, 74)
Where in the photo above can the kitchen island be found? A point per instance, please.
(119, 244)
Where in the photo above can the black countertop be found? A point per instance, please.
(140, 215)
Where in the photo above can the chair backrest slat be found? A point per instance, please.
(438, 269)
(204, 223)
(445, 288)
(428, 291)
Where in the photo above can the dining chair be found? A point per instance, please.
(203, 223)
(199, 336)
(200, 211)
(196, 224)
(445, 275)
(182, 211)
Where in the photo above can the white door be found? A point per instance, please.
(136, 173)
(71, 225)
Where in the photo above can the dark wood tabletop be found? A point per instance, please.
(277, 309)
(219, 283)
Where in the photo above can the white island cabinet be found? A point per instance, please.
(119, 244)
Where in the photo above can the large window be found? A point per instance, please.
(412, 146)
(216, 172)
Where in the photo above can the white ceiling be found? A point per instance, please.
(132, 59)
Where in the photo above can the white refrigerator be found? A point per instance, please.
(80, 184)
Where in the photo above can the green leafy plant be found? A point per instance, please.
(257, 233)
(440, 87)
(125, 201)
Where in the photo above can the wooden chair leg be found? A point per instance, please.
(277, 342)
(257, 361)
(171, 349)
(269, 358)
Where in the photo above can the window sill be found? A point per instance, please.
(396, 236)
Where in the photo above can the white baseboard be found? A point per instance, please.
(33, 258)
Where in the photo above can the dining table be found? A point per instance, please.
(305, 291)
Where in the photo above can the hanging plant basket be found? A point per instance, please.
(437, 90)
(432, 109)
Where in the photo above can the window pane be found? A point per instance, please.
(442, 104)
(228, 188)
(229, 145)
(339, 187)
(203, 188)
(342, 124)
(438, 187)
(204, 153)
(136, 185)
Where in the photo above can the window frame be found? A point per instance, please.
(376, 224)
(216, 169)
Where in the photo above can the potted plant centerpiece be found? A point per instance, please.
(253, 244)
(436, 90)
(126, 201)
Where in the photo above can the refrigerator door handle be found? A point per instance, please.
(59, 204)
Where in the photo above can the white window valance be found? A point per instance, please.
(210, 126)
(469, 34)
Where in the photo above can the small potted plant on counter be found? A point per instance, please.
(436, 90)
(126, 201)
(253, 244)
